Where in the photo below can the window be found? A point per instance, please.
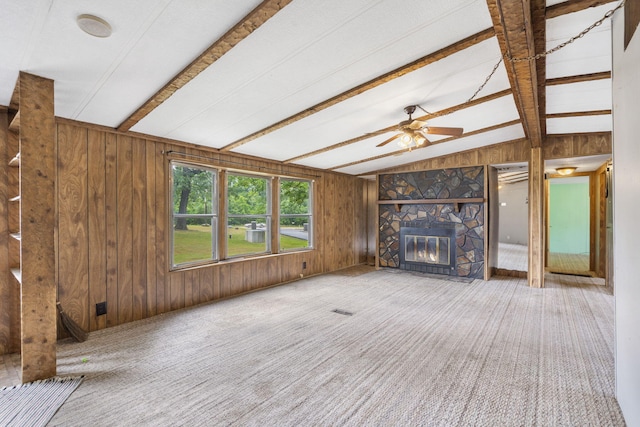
(295, 215)
(248, 215)
(194, 214)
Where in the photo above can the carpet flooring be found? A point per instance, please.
(414, 351)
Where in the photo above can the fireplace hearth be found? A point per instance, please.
(428, 247)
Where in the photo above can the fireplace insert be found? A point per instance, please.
(428, 247)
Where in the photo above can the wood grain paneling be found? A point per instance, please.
(151, 222)
(73, 209)
(96, 157)
(161, 225)
(506, 152)
(139, 228)
(577, 145)
(111, 214)
(124, 184)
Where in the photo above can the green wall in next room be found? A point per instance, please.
(569, 215)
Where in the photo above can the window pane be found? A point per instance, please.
(249, 216)
(194, 214)
(294, 197)
(192, 244)
(247, 195)
(295, 214)
(192, 190)
(294, 232)
(248, 235)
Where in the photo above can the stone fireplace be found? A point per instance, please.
(433, 221)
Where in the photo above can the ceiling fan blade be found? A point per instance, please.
(434, 130)
(386, 141)
(417, 124)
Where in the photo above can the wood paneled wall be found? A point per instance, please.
(113, 229)
(507, 152)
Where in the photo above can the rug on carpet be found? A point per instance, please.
(35, 403)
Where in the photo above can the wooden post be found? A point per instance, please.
(536, 219)
(37, 225)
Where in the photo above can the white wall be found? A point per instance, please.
(626, 206)
(514, 220)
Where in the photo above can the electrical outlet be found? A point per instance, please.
(101, 308)
(304, 265)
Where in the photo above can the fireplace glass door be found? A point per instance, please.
(427, 249)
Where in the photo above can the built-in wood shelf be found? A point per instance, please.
(15, 162)
(15, 236)
(17, 273)
(15, 199)
(15, 123)
(456, 202)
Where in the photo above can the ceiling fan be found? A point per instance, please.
(413, 133)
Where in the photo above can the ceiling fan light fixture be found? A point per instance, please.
(406, 140)
(566, 170)
(93, 25)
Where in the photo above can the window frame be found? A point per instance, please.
(213, 216)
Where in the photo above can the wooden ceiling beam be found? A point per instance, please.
(385, 78)
(258, 16)
(579, 79)
(394, 127)
(579, 114)
(573, 6)
(512, 21)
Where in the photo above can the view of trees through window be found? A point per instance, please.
(295, 214)
(194, 214)
(248, 215)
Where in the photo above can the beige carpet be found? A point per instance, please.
(416, 351)
(513, 257)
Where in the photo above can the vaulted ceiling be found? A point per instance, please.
(316, 83)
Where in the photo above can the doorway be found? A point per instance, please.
(569, 225)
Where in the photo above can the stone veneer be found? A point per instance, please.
(437, 184)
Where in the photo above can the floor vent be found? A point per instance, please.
(344, 312)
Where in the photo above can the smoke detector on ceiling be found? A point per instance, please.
(94, 25)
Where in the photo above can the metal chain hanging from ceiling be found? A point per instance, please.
(508, 57)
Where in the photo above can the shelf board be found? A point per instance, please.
(16, 236)
(15, 162)
(17, 273)
(15, 199)
(455, 202)
(15, 123)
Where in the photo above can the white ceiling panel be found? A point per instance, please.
(21, 24)
(287, 65)
(351, 152)
(592, 54)
(148, 63)
(577, 97)
(364, 113)
(589, 54)
(584, 164)
(579, 124)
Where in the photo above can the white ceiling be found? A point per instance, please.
(305, 54)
